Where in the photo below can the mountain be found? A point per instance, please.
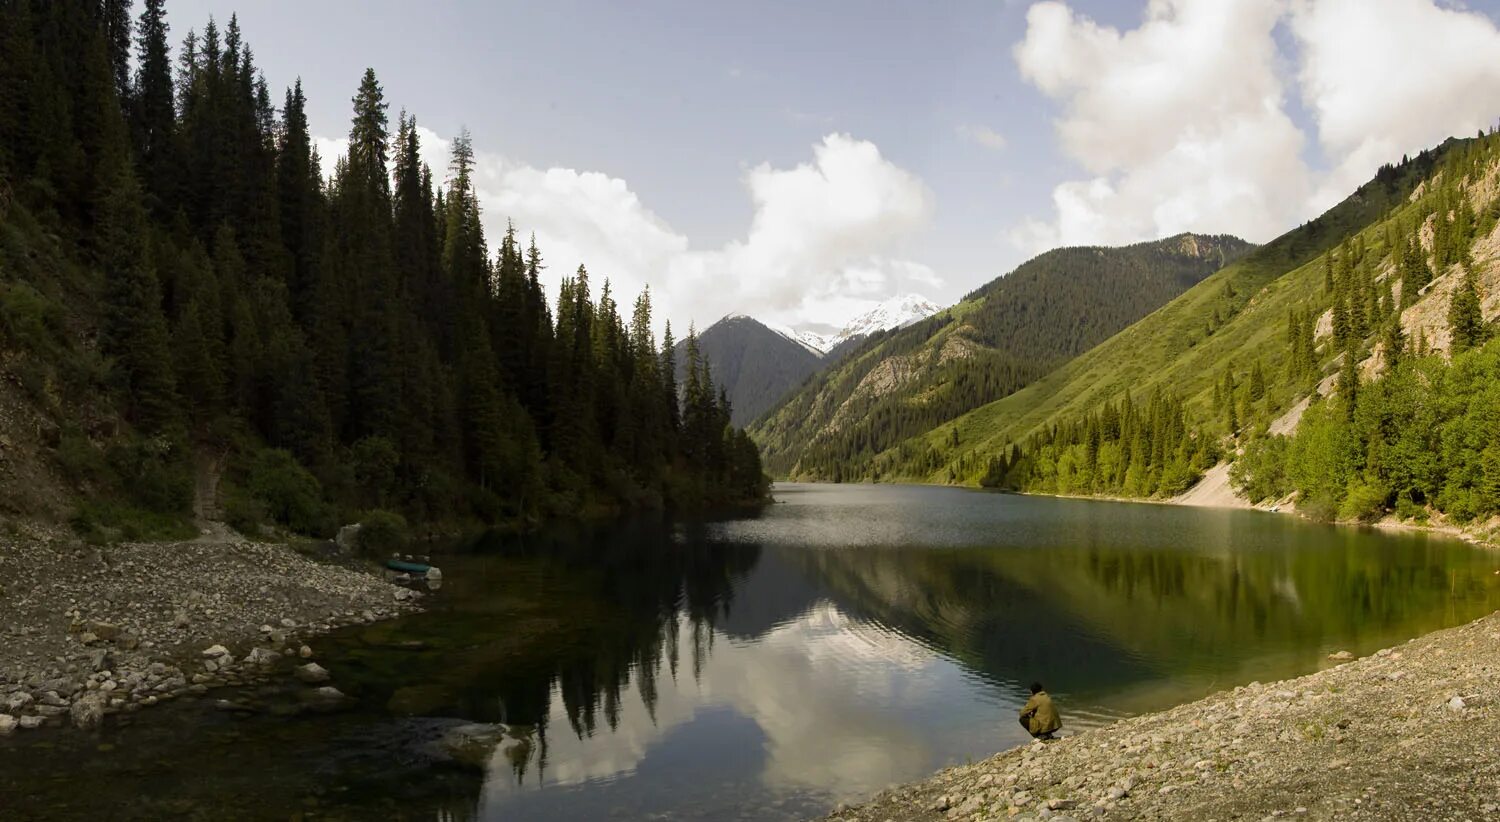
(754, 364)
(1350, 367)
(901, 383)
(758, 365)
(897, 312)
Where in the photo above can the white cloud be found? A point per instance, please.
(823, 244)
(983, 136)
(1180, 123)
(1390, 77)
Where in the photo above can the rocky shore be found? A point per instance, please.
(88, 631)
(1408, 733)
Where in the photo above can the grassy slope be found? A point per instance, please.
(1159, 350)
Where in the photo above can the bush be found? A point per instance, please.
(1260, 473)
(28, 320)
(243, 512)
(81, 462)
(1321, 507)
(100, 522)
(291, 495)
(382, 532)
(1408, 509)
(1365, 501)
(155, 474)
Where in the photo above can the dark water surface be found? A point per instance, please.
(766, 667)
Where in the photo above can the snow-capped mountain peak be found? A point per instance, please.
(897, 312)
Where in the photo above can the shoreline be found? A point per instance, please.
(1483, 534)
(89, 631)
(1404, 733)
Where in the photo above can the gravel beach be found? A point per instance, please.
(1408, 733)
(87, 631)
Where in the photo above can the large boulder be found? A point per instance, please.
(347, 538)
(88, 710)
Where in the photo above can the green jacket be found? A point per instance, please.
(1040, 715)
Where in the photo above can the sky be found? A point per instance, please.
(801, 162)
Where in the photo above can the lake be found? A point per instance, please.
(766, 666)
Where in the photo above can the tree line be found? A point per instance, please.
(351, 342)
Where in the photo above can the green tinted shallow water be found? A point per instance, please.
(767, 667)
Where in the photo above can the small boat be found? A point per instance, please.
(408, 567)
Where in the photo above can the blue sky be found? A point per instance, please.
(802, 161)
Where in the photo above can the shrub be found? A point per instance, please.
(382, 532)
(155, 474)
(1365, 501)
(1260, 473)
(291, 495)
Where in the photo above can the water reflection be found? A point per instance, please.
(769, 667)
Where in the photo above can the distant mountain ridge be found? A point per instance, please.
(900, 383)
(758, 364)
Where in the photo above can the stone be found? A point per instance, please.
(88, 710)
(402, 594)
(215, 650)
(1062, 804)
(13, 703)
(180, 620)
(288, 622)
(1116, 794)
(30, 722)
(305, 652)
(312, 673)
(434, 574)
(8, 724)
(105, 631)
(1341, 656)
(1456, 704)
(262, 657)
(347, 539)
(940, 804)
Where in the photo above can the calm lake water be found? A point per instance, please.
(765, 667)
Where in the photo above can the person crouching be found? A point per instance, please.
(1039, 716)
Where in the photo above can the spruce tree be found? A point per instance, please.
(153, 115)
(135, 330)
(1465, 316)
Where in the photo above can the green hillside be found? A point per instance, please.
(1229, 366)
(1001, 337)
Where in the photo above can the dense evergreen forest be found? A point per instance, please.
(1388, 351)
(854, 421)
(182, 293)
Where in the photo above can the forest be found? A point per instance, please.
(184, 293)
(1402, 398)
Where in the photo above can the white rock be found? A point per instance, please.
(88, 710)
(1456, 704)
(312, 673)
(215, 650)
(8, 724)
